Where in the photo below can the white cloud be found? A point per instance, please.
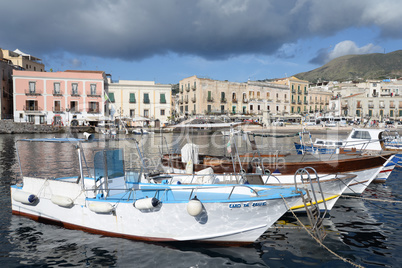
(343, 48)
(349, 47)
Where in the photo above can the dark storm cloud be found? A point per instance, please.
(213, 29)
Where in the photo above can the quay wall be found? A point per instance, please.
(11, 127)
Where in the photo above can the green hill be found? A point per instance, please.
(358, 67)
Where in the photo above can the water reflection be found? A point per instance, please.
(40, 244)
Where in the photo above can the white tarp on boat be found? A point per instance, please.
(190, 152)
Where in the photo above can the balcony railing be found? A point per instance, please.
(93, 110)
(94, 95)
(210, 99)
(57, 93)
(371, 105)
(75, 110)
(194, 88)
(193, 99)
(58, 110)
(32, 108)
(245, 100)
(223, 100)
(187, 89)
(75, 94)
(234, 100)
(33, 92)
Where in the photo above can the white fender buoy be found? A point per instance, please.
(194, 207)
(24, 197)
(62, 201)
(146, 203)
(100, 207)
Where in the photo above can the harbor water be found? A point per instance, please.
(363, 232)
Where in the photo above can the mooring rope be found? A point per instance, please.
(318, 241)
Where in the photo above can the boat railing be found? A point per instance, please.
(314, 214)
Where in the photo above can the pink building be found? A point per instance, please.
(58, 97)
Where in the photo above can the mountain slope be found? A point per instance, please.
(355, 67)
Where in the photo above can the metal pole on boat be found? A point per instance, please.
(81, 169)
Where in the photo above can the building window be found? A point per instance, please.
(162, 98)
(132, 113)
(391, 113)
(209, 108)
(233, 109)
(222, 108)
(31, 105)
(32, 87)
(93, 89)
(73, 106)
(132, 97)
(93, 107)
(74, 89)
(357, 112)
(42, 119)
(56, 89)
(268, 108)
(146, 98)
(31, 118)
(111, 97)
(370, 112)
(146, 113)
(57, 106)
(162, 112)
(251, 107)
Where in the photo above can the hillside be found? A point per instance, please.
(358, 67)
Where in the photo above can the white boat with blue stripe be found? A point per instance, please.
(105, 194)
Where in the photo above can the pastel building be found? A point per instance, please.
(140, 99)
(59, 97)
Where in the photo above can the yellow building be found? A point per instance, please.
(26, 61)
(299, 94)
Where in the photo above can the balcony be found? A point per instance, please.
(194, 88)
(371, 105)
(278, 101)
(32, 109)
(58, 110)
(93, 110)
(210, 99)
(305, 102)
(223, 100)
(74, 94)
(299, 92)
(392, 105)
(234, 100)
(375, 94)
(386, 95)
(57, 93)
(193, 99)
(181, 101)
(245, 100)
(181, 90)
(187, 89)
(94, 96)
(293, 102)
(294, 91)
(286, 101)
(305, 92)
(186, 100)
(75, 111)
(30, 92)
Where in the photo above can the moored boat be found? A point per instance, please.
(109, 199)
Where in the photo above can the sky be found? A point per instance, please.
(168, 40)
